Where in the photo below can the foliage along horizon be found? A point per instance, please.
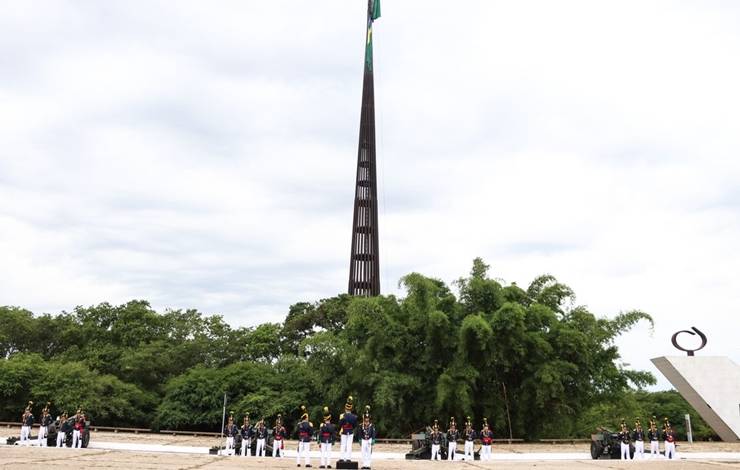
(494, 351)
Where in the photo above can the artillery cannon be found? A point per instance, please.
(421, 447)
(606, 444)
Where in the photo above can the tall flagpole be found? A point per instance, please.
(364, 268)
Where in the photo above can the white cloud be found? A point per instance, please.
(203, 155)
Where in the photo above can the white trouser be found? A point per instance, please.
(469, 450)
(345, 446)
(61, 438)
(304, 449)
(260, 452)
(485, 452)
(451, 449)
(639, 450)
(435, 452)
(367, 452)
(43, 430)
(625, 451)
(76, 440)
(325, 453)
(230, 445)
(246, 451)
(25, 432)
(277, 448)
(670, 450)
(654, 449)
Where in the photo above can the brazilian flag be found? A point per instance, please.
(373, 15)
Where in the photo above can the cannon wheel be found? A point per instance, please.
(596, 449)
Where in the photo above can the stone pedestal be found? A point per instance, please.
(711, 384)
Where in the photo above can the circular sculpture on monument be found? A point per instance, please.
(696, 331)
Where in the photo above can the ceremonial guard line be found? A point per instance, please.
(60, 432)
(636, 438)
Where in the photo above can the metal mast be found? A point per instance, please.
(364, 267)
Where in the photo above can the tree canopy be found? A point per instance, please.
(531, 356)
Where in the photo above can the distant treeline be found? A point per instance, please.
(496, 351)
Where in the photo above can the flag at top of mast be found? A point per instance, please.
(373, 13)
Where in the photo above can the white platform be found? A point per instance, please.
(711, 384)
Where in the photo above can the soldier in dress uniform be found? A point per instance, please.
(327, 434)
(26, 422)
(62, 430)
(452, 436)
(654, 437)
(470, 436)
(486, 440)
(77, 428)
(367, 437)
(347, 425)
(279, 434)
(260, 431)
(44, 424)
(246, 432)
(230, 431)
(624, 441)
(670, 438)
(638, 435)
(305, 432)
(435, 438)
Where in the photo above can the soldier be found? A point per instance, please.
(230, 431)
(246, 432)
(26, 422)
(670, 438)
(653, 437)
(62, 430)
(305, 432)
(279, 435)
(624, 441)
(486, 439)
(639, 437)
(327, 434)
(77, 428)
(436, 440)
(347, 425)
(470, 436)
(452, 435)
(261, 432)
(44, 424)
(367, 437)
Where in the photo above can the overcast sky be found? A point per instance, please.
(202, 154)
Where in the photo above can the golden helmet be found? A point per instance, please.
(348, 405)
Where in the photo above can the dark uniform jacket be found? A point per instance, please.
(64, 426)
(670, 436)
(28, 420)
(470, 435)
(260, 432)
(231, 430)
(46, 420)
(638, 435)
(348, 422)
(653, 435)
(436, 437)
(486, 437)
(246, 431)
(305, 431)
(367, 432)
(624, 437)
(280, 433)
(327, 431)
(452, 435)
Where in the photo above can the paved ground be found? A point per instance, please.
(16, 457)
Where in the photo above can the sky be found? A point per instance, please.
(202, 154)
